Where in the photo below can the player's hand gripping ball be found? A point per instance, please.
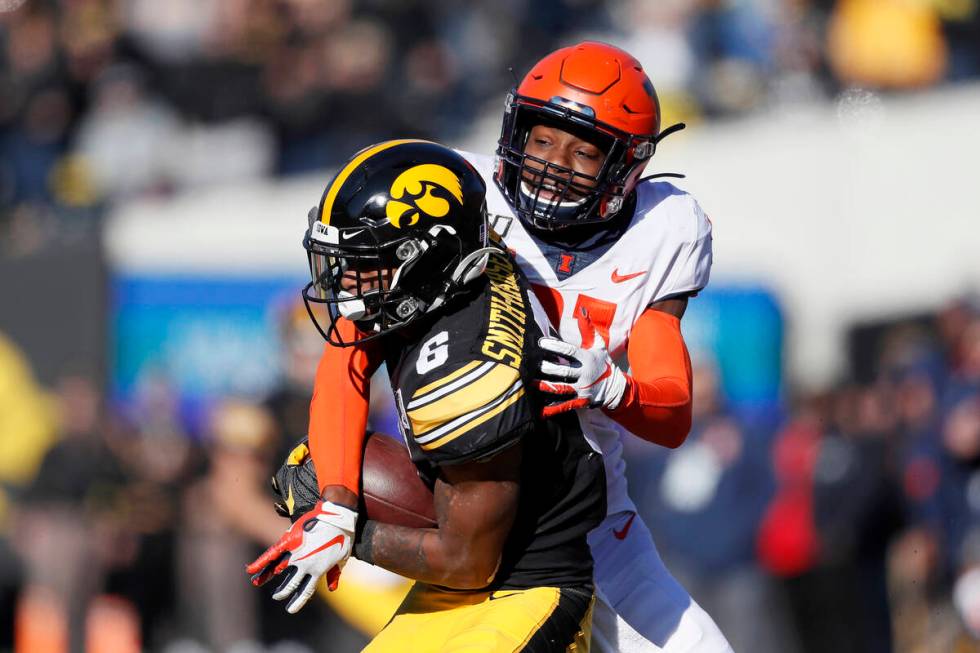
(295, 483)
(318, 543)
(322, 535)
(392, 491)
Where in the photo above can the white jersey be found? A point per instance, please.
(664, 252)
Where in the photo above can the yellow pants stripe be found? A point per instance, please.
(583, 638)
(544, 618)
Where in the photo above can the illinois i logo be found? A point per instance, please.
(412, 194)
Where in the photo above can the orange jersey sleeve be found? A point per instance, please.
(339, 410)
(656, 404)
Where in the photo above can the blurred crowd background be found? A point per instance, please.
(106, 99)
(841, 517)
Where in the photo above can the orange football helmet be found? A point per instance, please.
(594, 89)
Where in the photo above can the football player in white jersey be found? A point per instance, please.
(614, 258)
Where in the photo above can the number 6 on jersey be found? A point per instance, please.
(433, 353)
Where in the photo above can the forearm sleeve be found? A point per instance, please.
(656, 404)
(339, 411)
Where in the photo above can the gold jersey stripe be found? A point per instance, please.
(438, 383)
(350, 168)
(484, 390)
(449, 437)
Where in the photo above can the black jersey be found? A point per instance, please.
(464, 391)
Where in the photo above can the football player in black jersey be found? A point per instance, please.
(403, 266)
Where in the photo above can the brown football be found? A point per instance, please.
(392, 491)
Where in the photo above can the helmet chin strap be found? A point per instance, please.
(352, 307)
(614, 205)
(355, 309)
(469, 268)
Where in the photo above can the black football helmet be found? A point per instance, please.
(399, 230)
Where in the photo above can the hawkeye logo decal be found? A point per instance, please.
(411, 194)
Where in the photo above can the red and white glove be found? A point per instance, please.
(318, 543)
(588, 377)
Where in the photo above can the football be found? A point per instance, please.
(392, 491)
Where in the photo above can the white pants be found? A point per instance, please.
(639, 607)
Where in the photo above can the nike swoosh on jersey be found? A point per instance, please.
(620, 278)
(620, 534)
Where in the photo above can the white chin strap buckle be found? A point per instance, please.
(614, 205)
(351, 307)
(407, 307)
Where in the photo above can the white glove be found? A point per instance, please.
(589, 378)
(318, 543)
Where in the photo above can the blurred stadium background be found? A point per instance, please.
(157, 160)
